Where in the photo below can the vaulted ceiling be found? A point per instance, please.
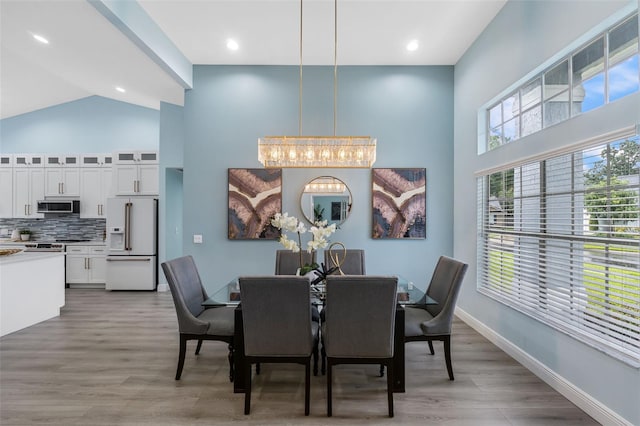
(87, 55)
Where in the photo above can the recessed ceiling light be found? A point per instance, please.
(412, 45)
(40, 39)
(120, 89)
(232, 44)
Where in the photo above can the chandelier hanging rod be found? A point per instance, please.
(317, 151)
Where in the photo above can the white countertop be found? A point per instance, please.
(27, 256)
(9, 243)
(86, 243)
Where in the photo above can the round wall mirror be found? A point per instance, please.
(326, 198)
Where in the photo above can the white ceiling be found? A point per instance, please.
(87, 55)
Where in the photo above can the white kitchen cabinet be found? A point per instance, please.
(61, 160)
(96, 160)
(62, 182)
(6, 160)
(62, 176)
(28, 160)
(95, 188)
(136, 173)
(28, 188)
(86, 264)
(6, 186)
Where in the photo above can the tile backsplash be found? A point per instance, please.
(69, 226)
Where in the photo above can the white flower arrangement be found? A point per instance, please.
(320, 232)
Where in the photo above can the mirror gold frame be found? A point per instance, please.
(326, 198)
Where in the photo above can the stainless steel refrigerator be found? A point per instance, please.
(132, 243)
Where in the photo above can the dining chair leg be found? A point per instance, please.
(431, 347)
(315, 357)
(247, 388)
(181, 353)
(381, 370)
(307, 387)
(447, 355)
(329, 407)
(323, 356)
(230, 357)
(199, 346)
(390, 388)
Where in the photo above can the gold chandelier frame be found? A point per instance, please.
(318, 151)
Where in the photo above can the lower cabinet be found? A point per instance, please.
(86, 266)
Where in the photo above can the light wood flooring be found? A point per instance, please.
(110, 359)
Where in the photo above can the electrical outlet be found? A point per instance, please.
(197, 239)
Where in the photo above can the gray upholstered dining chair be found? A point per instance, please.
(288, 262)
(433, 322)
(353, 263)
(277, 326)
(359, 325)
(194, 321)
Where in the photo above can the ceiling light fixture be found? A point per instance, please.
(120, 89)
(40, 39)
(318, 151)
(412, 45)
(232, 44)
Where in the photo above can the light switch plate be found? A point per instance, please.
(197, 239)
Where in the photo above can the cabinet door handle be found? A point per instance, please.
(25, 210)
(62, 187)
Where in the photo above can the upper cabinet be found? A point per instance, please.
(95, 184)
(136, 173)
(96, 160)
(27, 178)
(28, 160)
(6, 186)
(28, 185)
(62, 176)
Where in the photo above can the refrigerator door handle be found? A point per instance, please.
(127, 226)
(128, 259)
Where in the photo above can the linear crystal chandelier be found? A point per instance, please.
(318, 151)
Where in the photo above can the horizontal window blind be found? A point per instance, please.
(559, 240)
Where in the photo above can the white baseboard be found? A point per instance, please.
(584, 401)
(163, 287)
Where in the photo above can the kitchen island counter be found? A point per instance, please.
(32, 287)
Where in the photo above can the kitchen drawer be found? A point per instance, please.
(77, 249)
(80, 249)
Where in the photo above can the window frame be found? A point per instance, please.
(565, 293)
(489, 145)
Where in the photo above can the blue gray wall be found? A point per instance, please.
(408, 109)
(523, 36)
(93, 124)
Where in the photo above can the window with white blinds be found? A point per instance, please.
(559, 240)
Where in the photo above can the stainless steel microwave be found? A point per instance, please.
(59, 206)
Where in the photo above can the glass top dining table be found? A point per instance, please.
(408, 294)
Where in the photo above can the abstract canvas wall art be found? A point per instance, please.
(399, 203)
(255, 195)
